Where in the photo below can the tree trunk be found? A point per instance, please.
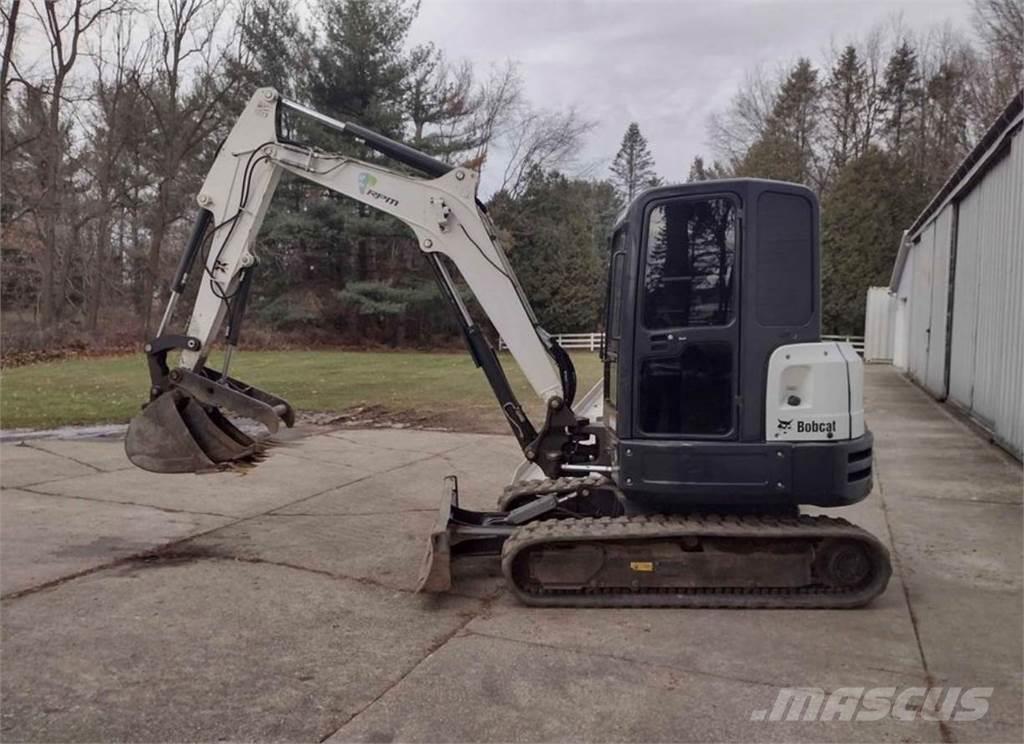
(159, 230)
(99, 273)
(51, 206)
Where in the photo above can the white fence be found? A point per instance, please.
(857, 342)
(592, 341)
(588, 341)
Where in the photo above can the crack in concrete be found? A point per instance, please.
(464, 631)
(352, 514)
(61, 455)
(347, 484)
(362, 580)
(363, 445)
(431, 650)
(945, 732)
(627, 660)
(167, 509)
(53, 583)
(67, 478)
(992, 502)
(317, 460)
(134, 557)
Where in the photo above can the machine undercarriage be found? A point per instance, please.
(566, 548)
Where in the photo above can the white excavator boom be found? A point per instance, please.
(441, 211)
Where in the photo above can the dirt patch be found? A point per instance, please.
(20, 358)
(175, 555)
(382, 417)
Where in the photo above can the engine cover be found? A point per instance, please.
(815, 393)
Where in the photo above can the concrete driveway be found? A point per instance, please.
(278, 606)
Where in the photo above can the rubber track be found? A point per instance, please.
(556, 486)
(591, 529)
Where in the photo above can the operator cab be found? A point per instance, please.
(706, 281)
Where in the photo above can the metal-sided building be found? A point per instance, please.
(953, 317)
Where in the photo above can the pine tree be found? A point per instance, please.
(276, 45)
(633, 167)
(946, 129)
(360, 65)
(784, 150)
(356, 69)
(901, 96)
(700, 171)
(844, 106)
(556, 233)
(863, 213)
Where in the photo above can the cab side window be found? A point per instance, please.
(616, 285)
(691, 253)
(613, 315)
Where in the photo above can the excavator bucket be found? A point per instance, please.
(176, 434)
(183, 430)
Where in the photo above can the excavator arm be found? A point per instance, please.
(183, 429)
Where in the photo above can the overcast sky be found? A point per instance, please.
(665, 64)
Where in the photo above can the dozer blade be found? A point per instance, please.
(436, 568)
(459, 532)
(176, 434)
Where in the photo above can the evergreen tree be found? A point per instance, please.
(844, 106)
(699, 171)
(785, 149)
(946, 137)
(360, 66)
(356, 68)
(276, 47)
(863, 214)
(633, 167)
(901, 96)
(556, 234)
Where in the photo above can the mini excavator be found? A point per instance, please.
(723, 411)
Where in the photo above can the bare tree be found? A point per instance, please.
(188, 100)
(115, 129)
(745, 120)
(64, 25)
(1000, 25)
(501, 97)
(10, 18)
(543, 140)
(998, 73)
(10, 27)
(874, 55)
(441, 102)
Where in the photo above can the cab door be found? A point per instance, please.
(686, 350)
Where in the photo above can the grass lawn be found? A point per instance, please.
(442, 389)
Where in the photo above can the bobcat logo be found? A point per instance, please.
(785, 425)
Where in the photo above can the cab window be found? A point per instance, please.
(690, 256)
